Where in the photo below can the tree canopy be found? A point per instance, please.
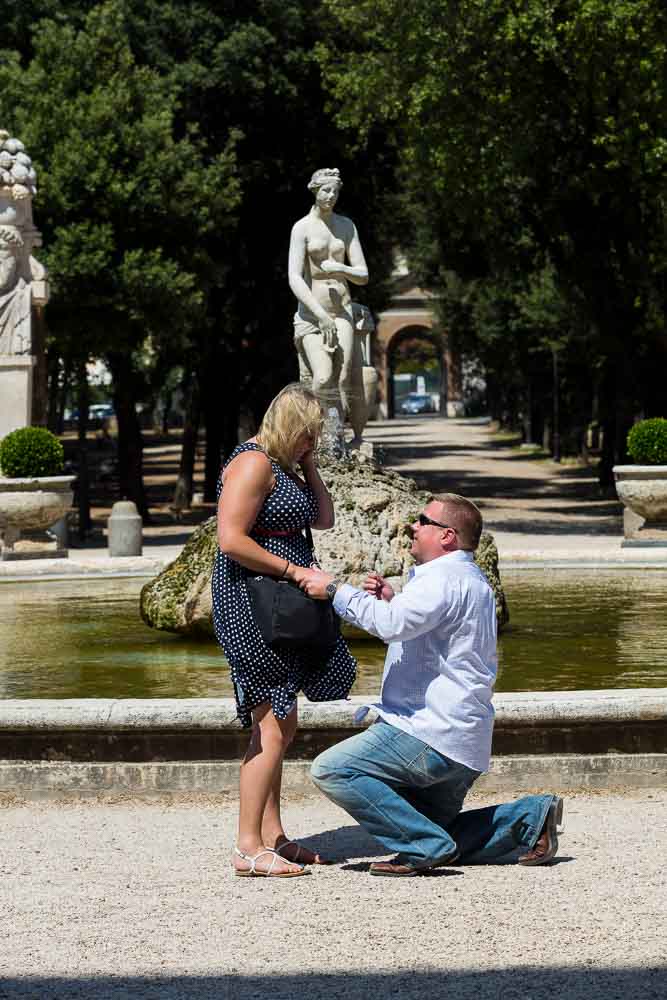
(533, 156)
(174, 142)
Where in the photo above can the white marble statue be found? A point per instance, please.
(329, 345)
(22, 277)
(23, 287)
(14, 295)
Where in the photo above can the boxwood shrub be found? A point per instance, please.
(647, 442)
(31, 451)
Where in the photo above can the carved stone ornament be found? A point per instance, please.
(22, 278)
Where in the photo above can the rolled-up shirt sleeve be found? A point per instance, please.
(416, 610)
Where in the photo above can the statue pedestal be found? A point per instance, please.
(15, 392)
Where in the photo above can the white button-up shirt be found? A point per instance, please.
(441, 662)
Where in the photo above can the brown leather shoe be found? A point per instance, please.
(547, 842)
(398, 869)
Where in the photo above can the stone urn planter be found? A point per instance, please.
(642, 487)
(643, 490)
(32, 505)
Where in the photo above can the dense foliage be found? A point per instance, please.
(647, 442)
(31, 451)
(534, 161)
(174, 140)
(173, 143)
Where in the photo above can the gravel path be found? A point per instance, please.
(136, 899)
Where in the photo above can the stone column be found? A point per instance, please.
(16, 375)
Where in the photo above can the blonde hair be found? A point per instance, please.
(295, 411)
(465, 516)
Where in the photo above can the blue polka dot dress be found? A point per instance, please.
(261, 674)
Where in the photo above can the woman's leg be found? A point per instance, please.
(272, 825)
(270, 738)
(273, 832)
(351, 380)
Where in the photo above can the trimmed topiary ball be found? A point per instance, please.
(647, 442)
(30, 452)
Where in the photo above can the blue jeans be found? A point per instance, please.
(409, 797)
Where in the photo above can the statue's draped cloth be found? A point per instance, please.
(15, 319)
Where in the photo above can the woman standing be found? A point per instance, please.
(323, 325)
(262, 508)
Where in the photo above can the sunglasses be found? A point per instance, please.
(424, 520)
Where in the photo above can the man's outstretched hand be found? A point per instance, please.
(316, 584)
(378, 587)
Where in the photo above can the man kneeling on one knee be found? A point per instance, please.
(405, 777)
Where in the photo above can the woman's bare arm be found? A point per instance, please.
(248, 480)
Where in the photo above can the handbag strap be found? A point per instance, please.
(311, 543)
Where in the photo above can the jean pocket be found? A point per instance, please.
(430, 768)
(433, 768)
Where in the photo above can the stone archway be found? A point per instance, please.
(410, 314)
(409, 337)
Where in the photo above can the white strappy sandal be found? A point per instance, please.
(253, 872)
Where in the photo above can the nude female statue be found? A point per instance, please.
(329, 351)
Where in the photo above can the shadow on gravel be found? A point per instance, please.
(408, 983)
(342, 844)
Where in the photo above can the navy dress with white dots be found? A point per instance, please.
(261, 674)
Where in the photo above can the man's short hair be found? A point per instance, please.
(465, 516)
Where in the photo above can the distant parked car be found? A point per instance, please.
(98, 411)
(417, 402)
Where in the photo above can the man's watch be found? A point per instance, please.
(331, 589)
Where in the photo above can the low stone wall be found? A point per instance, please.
(509, 776)
(205, 730)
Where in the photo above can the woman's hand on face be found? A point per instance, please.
(307, 460)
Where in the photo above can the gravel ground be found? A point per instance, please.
(137, 899)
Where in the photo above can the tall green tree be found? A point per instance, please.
(235, 93)
(127, 199)
(248, 69)
(530, 132)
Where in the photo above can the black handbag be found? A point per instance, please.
(288, 618)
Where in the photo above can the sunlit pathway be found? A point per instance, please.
(535, 508)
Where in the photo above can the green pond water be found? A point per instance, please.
(85, 639)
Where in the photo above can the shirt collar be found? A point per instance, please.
(459, 555)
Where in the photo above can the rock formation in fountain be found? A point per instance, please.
(374, 509)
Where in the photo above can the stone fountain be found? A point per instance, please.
(374, 507)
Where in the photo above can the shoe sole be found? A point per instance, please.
(250, 874)
(559, 813)
(418, 871)
(554, 820)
